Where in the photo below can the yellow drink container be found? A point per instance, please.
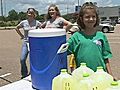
(114, 86)
(78, 73)
(87, 83)
(102, 78)
(119, 83)
(63, 81)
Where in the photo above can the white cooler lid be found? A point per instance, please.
(48, 32)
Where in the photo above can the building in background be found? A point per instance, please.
(111, 13)
(105, 13)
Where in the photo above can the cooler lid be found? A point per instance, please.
(48, 32)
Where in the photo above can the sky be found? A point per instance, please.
(65, 6)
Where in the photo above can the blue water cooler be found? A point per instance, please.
(47, 56)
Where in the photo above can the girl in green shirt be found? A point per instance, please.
(89, 45)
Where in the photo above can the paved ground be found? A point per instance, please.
(114, 39)
(10, 46)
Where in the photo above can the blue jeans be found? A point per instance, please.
(23, 58)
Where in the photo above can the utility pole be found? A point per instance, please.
(78, 3)
(66, 5)
(4, 8)
(1, 8)
(67, 8)
(77, 8)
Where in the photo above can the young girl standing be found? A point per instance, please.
(89, 45)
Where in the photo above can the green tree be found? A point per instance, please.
(71, 17)
(12, 15)
(22, 16)
(40, 17)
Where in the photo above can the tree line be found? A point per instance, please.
(15, 17)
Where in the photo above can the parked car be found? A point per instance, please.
(118, 21)
(105, 27)
(74, 28)
(108, 21)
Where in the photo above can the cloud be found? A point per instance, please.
(109, 2)
(42, 5)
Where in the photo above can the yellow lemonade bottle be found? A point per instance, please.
(119, 83)
(86, 83)
(102, 78)
(63, 81)
(78, 73)
(114, 86)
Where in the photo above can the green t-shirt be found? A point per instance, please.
(91, 49)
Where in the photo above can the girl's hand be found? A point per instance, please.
(22, 38)
(115, 79)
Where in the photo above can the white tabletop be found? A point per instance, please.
(23, 84)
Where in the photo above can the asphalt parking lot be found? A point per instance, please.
(10, 48)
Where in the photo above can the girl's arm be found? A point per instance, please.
(107, 62)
